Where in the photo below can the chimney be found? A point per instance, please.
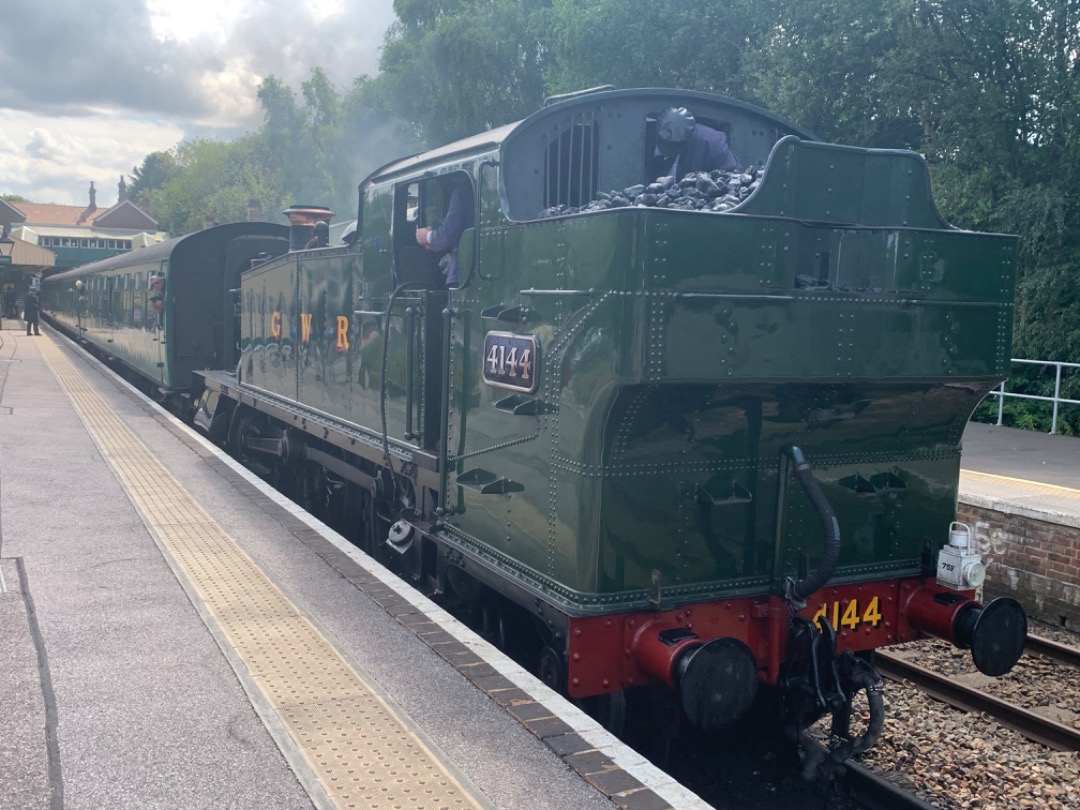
(254, 210)
(90, 209)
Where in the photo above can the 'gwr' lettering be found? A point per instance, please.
(305, 327)
(342, 333)
(275, 326)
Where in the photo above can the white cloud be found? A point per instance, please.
(116, 79)
(54, 159)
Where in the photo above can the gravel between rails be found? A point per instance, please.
(955, 760)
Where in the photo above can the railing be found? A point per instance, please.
(1057, 399)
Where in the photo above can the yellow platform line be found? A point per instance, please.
(1021, 484)
(360, 750)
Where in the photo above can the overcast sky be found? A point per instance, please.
(89, 87)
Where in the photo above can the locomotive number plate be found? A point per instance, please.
(511, 361)
(854, 614)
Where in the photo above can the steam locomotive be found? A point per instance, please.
(709, 449)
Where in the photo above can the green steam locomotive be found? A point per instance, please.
(705, 441)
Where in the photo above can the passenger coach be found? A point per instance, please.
(166, 310)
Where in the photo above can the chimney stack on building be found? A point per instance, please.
(90, 209)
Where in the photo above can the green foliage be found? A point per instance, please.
(324, 148)
(155, 171)
(828, 67)
(14, 198)
(214, 180)
(1033, 414)
(453, 68)
(642, 43)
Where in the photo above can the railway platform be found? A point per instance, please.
(1022, 470)
(175, 634)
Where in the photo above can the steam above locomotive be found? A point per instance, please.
(707, 448)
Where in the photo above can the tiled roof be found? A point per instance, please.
(75, 215)
(49, 214)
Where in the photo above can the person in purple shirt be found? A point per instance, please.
(683, 146)
(445, 237)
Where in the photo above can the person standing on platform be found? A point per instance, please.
(30, 312)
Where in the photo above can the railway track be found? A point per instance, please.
(1052, 649)
(1032, 725)
(873, 792)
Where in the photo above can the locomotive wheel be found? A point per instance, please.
(314, 491)
(551, 669)
(610, 710)
(241, 427)
(493, 626)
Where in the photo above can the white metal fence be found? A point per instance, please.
(1057, 399)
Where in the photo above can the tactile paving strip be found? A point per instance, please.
(1022, 484)
(362, 753)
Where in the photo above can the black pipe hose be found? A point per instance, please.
(819, 760)
(800, 591)
(867, 678)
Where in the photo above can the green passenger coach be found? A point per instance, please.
(165, 310)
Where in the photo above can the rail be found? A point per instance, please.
(1057, 399)
(1035, 727)
(875, 792)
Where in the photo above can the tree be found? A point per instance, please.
(156, 169)
(215, 180)
(325, 146)
(690, 44)
(282, 123)
(826, 65)
(453, 68)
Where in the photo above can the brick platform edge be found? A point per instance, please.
(1032, 556)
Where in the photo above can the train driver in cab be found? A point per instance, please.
(684, 146)
(445, 237)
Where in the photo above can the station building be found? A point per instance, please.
(79, 234)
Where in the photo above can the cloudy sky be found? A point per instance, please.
(89, 87)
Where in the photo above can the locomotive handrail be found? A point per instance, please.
(1057, 399)
(534, 291)
(735, 296)
(410, 363)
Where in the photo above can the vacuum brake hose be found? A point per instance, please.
(800, 591)
(816, 755)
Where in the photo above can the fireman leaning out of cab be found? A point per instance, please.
(683, 146)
